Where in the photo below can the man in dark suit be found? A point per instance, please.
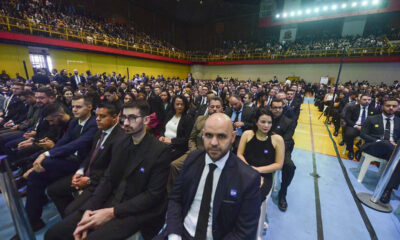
(202, 99)
(92, 169)
(283, 126)
(131, 196)
(61, 160)
(13, 106)
(241, 116)
(216, 195)
(381, 134)
(355, 118)
(76, 80)
(41, 78)
(111, 96)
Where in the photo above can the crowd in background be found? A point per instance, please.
(60, 16)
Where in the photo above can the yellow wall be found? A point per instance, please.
(11, 57)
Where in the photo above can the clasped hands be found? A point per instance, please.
(79, 182)
(37, 166)
(92, 220)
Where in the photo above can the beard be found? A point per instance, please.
(216, 153)
(132, 131)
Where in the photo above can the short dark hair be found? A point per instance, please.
(365, 95)
(216, 98)
(48, 91)
(18, 84)
(250, 94)
(236, 96)
(277, 100)
(112, 109)
(390, 99)
(143, 106)
(27, 93)
(87, 99)
(52, 108)
(185, 102)
(110, 89)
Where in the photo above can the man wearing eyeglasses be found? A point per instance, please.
(283, 126)
(132, 195)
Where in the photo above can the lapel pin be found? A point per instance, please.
(266, 151)
(102, 147)
(278, 127)
(233, 193)
(376, 125)
(142, 170)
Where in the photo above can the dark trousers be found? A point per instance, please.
(36, 198)
(9, 137)
(349, 135)
(117, 228)
(63, 194)
(382, 149)
(288, 171)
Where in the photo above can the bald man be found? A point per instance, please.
(216, 196)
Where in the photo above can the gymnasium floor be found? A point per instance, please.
(321, 203)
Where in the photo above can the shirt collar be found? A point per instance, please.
(83, 122)
(220, 163)
(384, 117)
(108, 131)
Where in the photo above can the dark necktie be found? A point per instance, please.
(95, 151)
(387, 130)
(79, 130)
(202, 221)
(363, 115)
(237, 116)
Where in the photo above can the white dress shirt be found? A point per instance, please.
(391, 126)
(359, 116)
(190, 221)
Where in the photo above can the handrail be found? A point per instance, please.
(30, 27)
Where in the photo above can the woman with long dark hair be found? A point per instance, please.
(264, 151)
(178, 126)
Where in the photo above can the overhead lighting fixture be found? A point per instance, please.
(299, 12)
(375, 2)
(308, 11)
(365, 3)
(284, 15)
(354, 4)
(292, 14)
(334, 7)
(278, 16)
(344, 5)
(325, 8)
(316, 10)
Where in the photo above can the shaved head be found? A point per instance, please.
(218, 135)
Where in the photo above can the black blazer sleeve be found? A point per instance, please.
(366, 130)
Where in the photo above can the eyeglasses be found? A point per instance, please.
(130, 118)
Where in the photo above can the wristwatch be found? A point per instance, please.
(88, 182)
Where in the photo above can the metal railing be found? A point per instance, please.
(60, 32)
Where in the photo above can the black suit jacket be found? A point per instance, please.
(185, 125)
(73, 81)
(283, 126)
(247, 116)
(103, 156)
(237, 200)
(373, 130)
(134, 187)
(353, 113)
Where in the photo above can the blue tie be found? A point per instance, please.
(363, 116)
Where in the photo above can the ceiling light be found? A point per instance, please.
(308, 11)
(344, 5)
(375, 2)
(292, 14)
(299, 12)
(334, 7)
(278, 16)
(284, 15)
(354, 4)
(316, 10)
(325, 8)
(365, 3)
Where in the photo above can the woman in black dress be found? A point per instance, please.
(264, 151)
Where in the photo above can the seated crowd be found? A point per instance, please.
(115, 153)
(366, 112)
(169, 158)
(60, 16)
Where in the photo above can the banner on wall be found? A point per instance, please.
(288, 34)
